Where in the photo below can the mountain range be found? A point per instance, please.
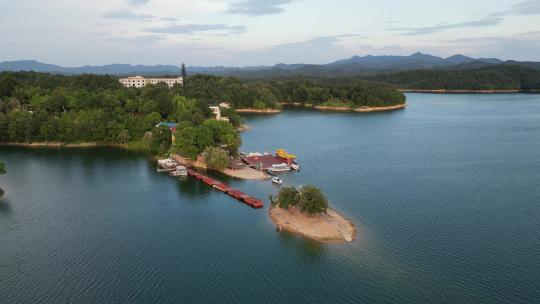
(356, 65)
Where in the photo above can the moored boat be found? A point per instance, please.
(180, 171)
(276, 180)
(167, 163)
(295, 166)
(280, 168)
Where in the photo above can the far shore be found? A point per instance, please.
(264, 111)
(364, 109)
(444, 91)
(329, 227)
(55, 144)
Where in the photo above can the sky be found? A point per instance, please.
(263, 32)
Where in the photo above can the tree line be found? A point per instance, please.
(499, 77)
(261, 94)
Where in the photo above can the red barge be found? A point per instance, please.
(237, 194)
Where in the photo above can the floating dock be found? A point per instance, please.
(237, 194)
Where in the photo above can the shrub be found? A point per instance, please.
(216, 158)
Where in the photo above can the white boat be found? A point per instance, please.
(279, 168)
(276, 180)
(295, 167)
(166, 163)
(179, 171)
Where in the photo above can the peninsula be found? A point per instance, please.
(306, 212)
(184, 118)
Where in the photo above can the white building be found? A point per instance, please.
(217, 113)
(139, 81)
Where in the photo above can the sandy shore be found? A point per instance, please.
(51, 144)
(326, 228)
(380, 109)
(266, 111)
(247, 173)
(362, 109)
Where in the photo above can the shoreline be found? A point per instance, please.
(445, 91)
(56, 145)
(363, 109)
(265, 111)
(243, 128)
(329, 228)
(246, 173)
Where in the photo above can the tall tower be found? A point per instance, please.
(183, 70)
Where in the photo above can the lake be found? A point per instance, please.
(445, 196)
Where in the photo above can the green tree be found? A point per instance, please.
(231, 142)
(161, 140)
(3, 127)
(312, 200)
(203, 138)
(7, 85)
(288, 196)
(223, 133)
(151, 120)
(259, 105)
(186, 142)
(216, 158)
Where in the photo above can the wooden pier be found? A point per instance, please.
(237, 194)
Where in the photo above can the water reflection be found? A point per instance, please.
(5, 206)
(192, 188)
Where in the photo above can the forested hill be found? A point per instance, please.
(262, 94)
(499, 77)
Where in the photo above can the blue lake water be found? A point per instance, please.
(445, 195)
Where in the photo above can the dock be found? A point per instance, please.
(235, 193)
(266, 161)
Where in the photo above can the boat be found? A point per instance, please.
(179, 171)
(167, 163)
(280, 168)
(276, 180)
(295, 167)
(159, 170)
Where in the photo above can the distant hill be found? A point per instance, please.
(113, 69)
(354, 66)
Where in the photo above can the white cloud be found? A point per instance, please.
(191, 28)
(258, 7)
